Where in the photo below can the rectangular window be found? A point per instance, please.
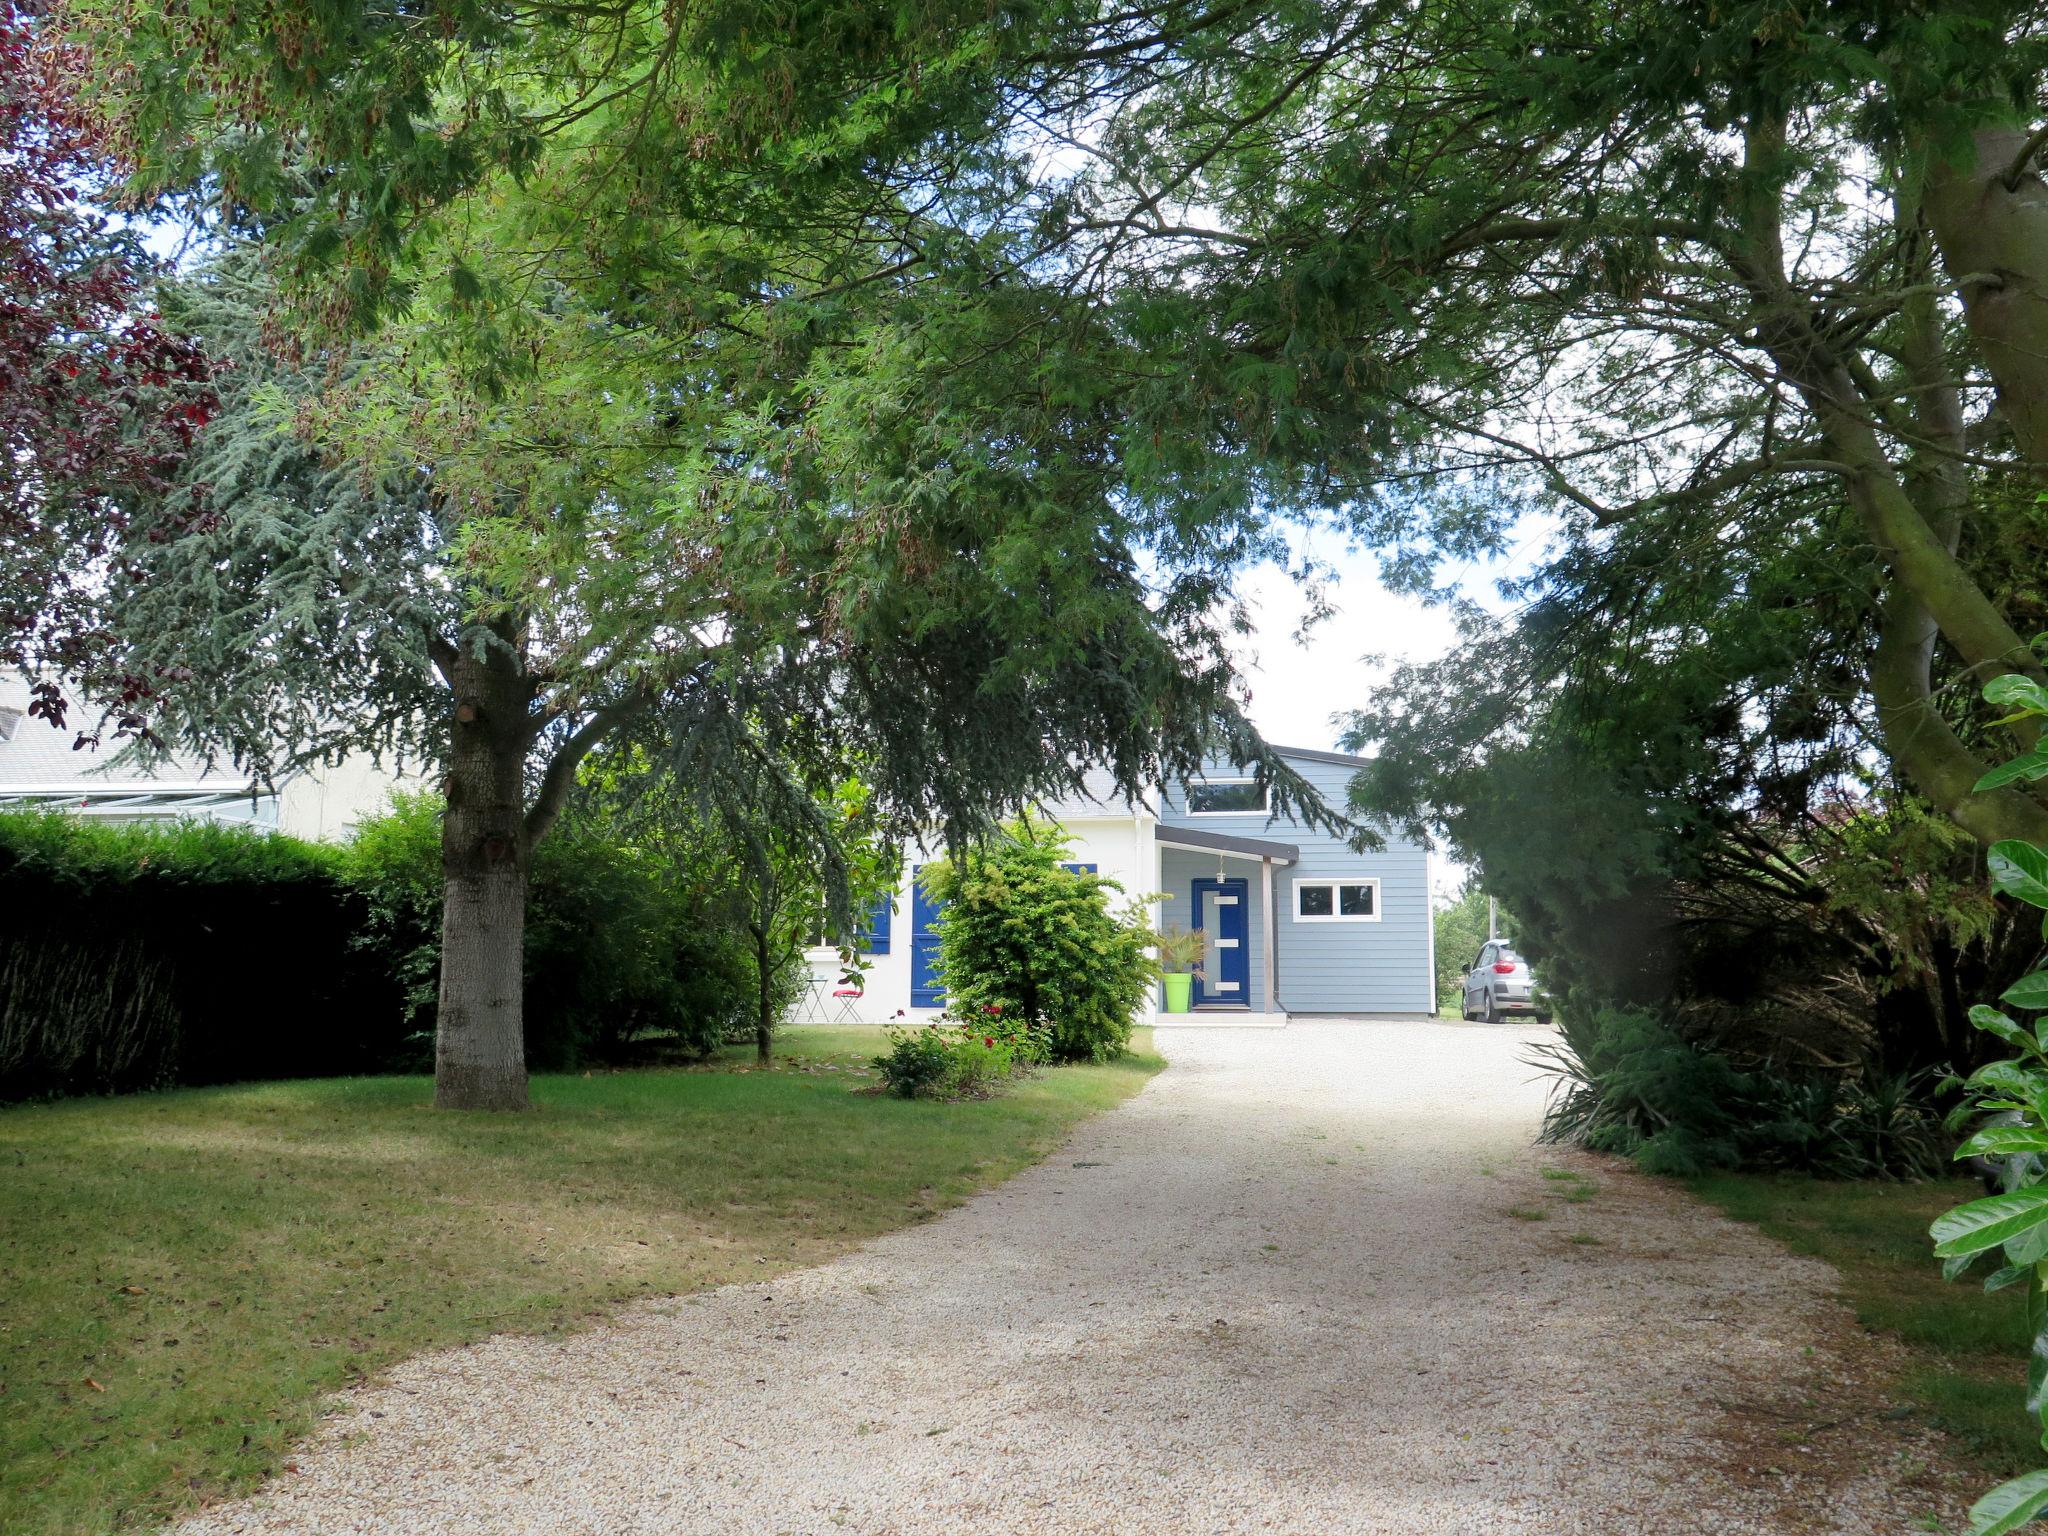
(1226, 797)
(1336, 901)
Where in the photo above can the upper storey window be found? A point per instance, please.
(1226, 797)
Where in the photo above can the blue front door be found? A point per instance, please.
(1222, 911)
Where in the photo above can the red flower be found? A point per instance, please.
(990, 1042)
(995, 1007)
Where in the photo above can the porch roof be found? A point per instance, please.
(1223, 842)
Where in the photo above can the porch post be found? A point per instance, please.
(1266, 930)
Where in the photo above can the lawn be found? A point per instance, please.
(184, 1275)
(1968, 1350)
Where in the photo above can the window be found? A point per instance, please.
(1336, 901)
(870, 933)
(1226, 797)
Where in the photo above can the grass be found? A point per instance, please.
(1968, 1350)
(183, 1276)
(1570, 1186)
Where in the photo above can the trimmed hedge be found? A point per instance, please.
(138, 957)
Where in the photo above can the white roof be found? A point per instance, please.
(38, 759)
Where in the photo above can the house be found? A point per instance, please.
(39, 768)
(1296, 922)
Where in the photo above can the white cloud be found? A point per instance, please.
(1299, 683)
(1302, 684)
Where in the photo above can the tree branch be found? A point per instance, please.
(560, 776)
(2036, 142)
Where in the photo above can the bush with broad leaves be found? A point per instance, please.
(2010, 1097)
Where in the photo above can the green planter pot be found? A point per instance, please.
(1178, 990)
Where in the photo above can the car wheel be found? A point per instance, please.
(1492, 1010)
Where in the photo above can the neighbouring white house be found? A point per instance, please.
(39, 768)
(1294, 921)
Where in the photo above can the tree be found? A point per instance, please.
(784, 889)
(1730, 275)
(1684, 818)
(1460, 931)
(757, 658)
(98, 398)
(682, 407)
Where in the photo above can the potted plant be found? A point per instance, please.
(1180, 961)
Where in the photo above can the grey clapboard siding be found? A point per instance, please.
(1380, 967)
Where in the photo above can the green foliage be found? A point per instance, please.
(919, 1063)
(141, 956)
(2011, 1097)
(1665, 842)
(625, 941)
(1040, 943)
(1460, 933)
(961, 1057)
(1179, 950)
(147, 956)
(1627, 1083)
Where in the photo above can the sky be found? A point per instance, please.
(1299, 684)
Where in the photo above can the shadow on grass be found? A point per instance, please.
(1967, 1350)
(183, 1276)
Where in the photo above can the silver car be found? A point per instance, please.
(1499, 983)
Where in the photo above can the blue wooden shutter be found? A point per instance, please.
(877, 931)
(925, 991)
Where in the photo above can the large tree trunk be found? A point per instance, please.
(480, 1039)
(1912, 520)
(1994, 242)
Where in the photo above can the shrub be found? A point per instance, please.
(145, 956)
(919, 1063)
(1628, 1083)
(962, 1056)
(1022, 933)
(621, 944)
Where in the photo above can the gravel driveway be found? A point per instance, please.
(1285, 1289)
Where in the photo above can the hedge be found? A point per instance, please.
(140, 956)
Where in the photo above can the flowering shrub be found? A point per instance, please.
(962, 1055)
(1022, 929)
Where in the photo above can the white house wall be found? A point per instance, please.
(1324, 968)
(328, 804)
(1120, 848)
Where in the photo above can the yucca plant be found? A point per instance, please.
(1180, 950)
